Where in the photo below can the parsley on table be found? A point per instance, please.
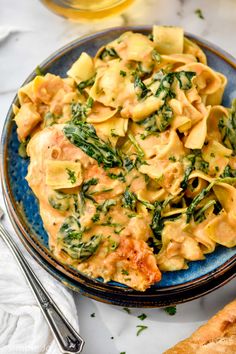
(140, 329)
(142, 317)
(171, 310)
(126, 309)
(199, 13)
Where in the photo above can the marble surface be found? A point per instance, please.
(28, 34)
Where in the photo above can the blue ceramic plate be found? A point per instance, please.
(23, 206)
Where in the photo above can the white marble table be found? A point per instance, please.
(30, 34)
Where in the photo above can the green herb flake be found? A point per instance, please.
(172, 158)
(171, 310)
(96, 217)
(92, 315)
(71, 176)
(124, 272)
(122, 352)
(199, 13)
(39, 71)
(123, 73)
(140, 329)
(142, 316)
(126, 309)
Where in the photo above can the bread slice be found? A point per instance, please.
(217, 336)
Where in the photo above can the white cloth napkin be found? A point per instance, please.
(23, 328)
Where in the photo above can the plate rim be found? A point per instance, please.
(11, 202)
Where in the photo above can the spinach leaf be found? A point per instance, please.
(59, 201)
(79, 111)
(83, 135)
(200, 214)
(184, 79)
(196, 200)
(190, 166)
(228, 172)
(106, 206)
(157, 221)
(141, 88)
(129, 200)
(49, 119)
(159, 121)
(108, 52)
(227, 128)
(70, 234)
(136, 145)
(83, 84)
(120, 176)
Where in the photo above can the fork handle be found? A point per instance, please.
(68, 340)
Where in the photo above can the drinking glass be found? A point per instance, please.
(86, 9)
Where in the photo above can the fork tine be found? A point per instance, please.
(1, 213)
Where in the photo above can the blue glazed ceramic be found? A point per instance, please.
(180, 286)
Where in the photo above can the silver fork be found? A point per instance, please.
(68, 340)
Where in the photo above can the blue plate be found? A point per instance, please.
(23, 206)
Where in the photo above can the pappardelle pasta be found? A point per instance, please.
(132, 158)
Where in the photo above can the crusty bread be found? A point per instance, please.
(217, 336)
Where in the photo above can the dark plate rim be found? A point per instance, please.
(24, 228)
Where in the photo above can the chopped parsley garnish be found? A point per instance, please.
(113, 244)
(71, 176)
(199, 13)
(96, 217)
(140, 329)
(123, 73)
(171, 310)
(126, 309)
(124, 272)
(172, 158)
(142, 316)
